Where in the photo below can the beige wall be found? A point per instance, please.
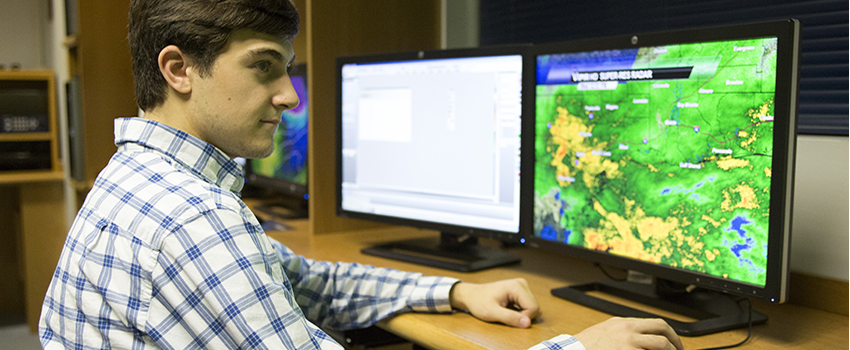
(23, 33)
(819, 238)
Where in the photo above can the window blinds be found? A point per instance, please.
(823, 104)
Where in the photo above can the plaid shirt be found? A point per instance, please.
(164, 254)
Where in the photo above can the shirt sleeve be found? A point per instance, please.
(349, 295)
(561, 342)
(218, 284)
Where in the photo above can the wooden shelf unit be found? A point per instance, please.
(11, 80)
(35, 196)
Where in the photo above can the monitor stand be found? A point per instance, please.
(283, 208)
(452, 252)
(714, 311)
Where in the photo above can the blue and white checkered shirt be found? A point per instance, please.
(164, 254)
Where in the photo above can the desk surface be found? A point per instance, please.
(789, 326)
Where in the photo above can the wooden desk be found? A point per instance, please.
(789, 326)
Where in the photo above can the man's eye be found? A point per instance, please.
(263, 66)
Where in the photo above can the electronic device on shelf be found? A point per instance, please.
(670, 154)
(431, 139)
(280, 180)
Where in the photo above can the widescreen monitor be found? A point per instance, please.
(431, 139)
(280, 179)
(671, 154)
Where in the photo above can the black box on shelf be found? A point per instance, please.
(23, 123)
(24, 98)
(25, 155)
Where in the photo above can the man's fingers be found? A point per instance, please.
(511, 318)
(652, 341)
(660, 327)
(524, 301)
(509, 301)
(630, 333)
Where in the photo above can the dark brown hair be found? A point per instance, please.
(200, 28)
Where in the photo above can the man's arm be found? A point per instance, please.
(350, 295)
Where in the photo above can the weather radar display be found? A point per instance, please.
(661, 154)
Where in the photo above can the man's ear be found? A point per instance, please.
(174, 64)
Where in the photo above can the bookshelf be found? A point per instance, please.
(29, 143)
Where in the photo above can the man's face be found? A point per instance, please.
(238, 106)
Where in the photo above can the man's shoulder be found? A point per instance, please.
(150, 181)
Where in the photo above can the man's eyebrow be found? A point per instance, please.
(264, 51)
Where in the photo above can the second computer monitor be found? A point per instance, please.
(280, 179)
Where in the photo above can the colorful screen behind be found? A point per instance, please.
(288, 161)
(661, 154)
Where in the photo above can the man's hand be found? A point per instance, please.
(509, 301)
(630, 333)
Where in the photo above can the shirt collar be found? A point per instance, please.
(203, 159)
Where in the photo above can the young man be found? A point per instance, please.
(164, 254)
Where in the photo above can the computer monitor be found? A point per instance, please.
(280, 179)
(431, 139)
(670, 154)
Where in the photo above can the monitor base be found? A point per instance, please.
(714, 311)
(282, 209)
(452, 252)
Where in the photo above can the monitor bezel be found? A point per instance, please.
(505, 50)
(279, 186)
(787, 34)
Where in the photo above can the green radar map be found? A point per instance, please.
(661, 154)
